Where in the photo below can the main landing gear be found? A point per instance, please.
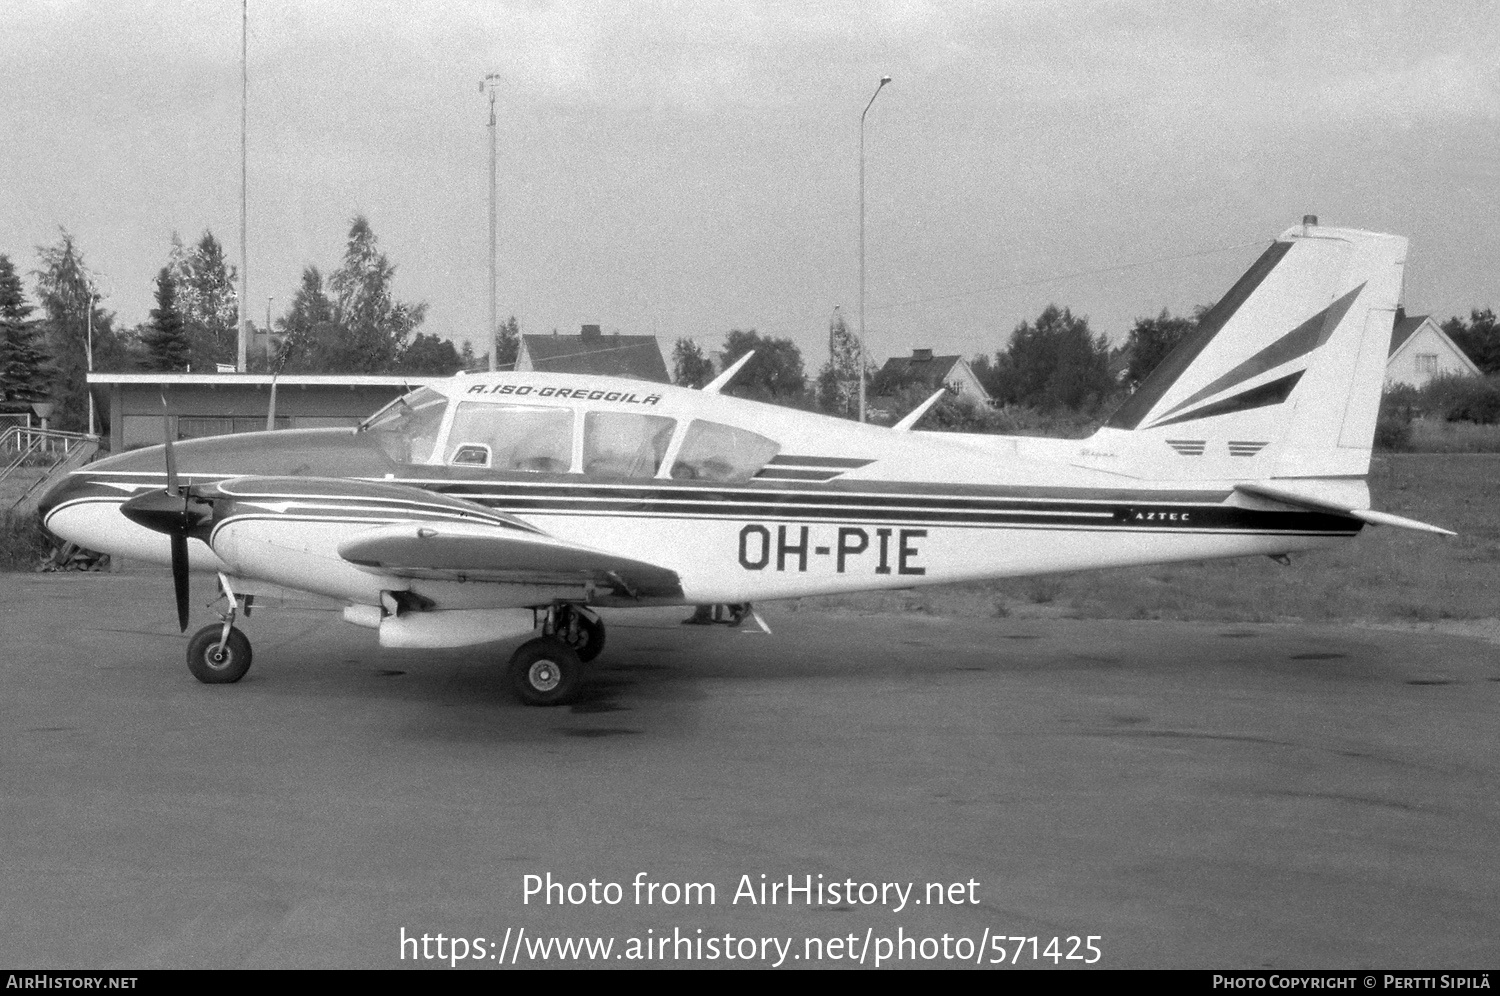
(550, 670)
(219, 654)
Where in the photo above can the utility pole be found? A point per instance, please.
(863, 358)
(490, 82)
(93, 420)
(240, 353)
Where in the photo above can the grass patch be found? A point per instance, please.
(1431, 435)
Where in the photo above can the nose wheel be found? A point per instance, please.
(217, 658)
(219, 654)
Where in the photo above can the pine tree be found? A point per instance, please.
(166, 338)
(24, 370)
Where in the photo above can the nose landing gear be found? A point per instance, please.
(219, 654)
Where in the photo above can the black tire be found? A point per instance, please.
(212, 667)
(545, 672)
(587, 640)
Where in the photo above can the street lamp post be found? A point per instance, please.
(491, 81)
(240, 355)
(93, 427)
(863, 358)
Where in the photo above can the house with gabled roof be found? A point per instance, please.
(1421, 350)
(921, 367)
(593, 352)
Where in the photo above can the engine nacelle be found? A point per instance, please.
(452, 628)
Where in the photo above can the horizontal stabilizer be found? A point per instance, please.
(1291, 496)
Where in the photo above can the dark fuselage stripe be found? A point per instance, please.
(1126, 510)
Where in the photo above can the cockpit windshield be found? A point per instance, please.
(407, 428)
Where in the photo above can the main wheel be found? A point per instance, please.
(545, 672)
(213, 666)
(586, 637)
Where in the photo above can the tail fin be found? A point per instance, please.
(1283, 376)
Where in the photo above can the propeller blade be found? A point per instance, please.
(166, 435)
(180, 578)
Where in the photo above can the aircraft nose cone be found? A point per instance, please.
(158, 511)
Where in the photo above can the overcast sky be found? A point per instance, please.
(688, 168)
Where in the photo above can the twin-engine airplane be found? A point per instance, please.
(493, 506)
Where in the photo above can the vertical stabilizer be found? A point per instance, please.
(1283, 376)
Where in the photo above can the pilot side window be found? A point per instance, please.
(511, 437)
(624, 444)
(714, 452)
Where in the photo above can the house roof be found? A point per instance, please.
(1403, 329)
(925, 369)
(616, 355)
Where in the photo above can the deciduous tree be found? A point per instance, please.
(206, 299)
(1149, 342)
(430, 355)
(374, 325)
(1479, 337)
(1055, 362)
(690, 368)
(507, 344)
(65, 289)
(775, 374)
(309, 334)
(838, 381)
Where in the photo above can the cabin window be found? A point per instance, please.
(1427, 363)
(714, 452)
(624, 444)
(511, 437)
(407, 428)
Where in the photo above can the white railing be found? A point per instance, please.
(22, 446)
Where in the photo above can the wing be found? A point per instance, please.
(476, 551)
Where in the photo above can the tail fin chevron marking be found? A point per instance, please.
(1294, 345)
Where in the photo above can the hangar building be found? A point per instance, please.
(209, 404)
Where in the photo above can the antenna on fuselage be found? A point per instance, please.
(915, 415)
(722, 381)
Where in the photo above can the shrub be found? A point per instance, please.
(1479, 403)
(23, 542)
(1393, 430)
(1462, 399)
